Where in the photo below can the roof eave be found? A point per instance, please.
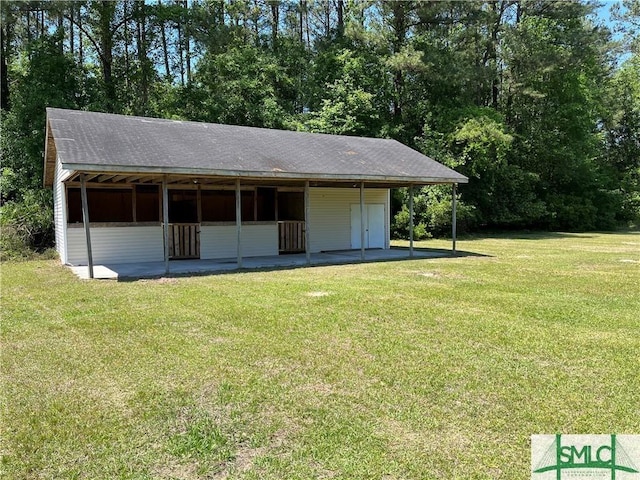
(406, 180)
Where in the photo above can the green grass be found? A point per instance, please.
(438, 368)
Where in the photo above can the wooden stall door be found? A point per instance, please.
(291, 236)
(184, 240)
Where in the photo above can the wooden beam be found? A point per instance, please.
(307, 230)
(135, 178)
(239, 221)
(104, 178)
(411, 221)
(85, 220)
(453, 220)
(165, 223)
(362, 227)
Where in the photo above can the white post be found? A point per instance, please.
(411, 221)
(362, 211)
(453, 220)
(307, 214)
(165, 223)
(85, 220)
(239, 221)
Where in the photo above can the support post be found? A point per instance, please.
(199, 203)
(307, 232)
(453, 220)
(411, 221)
(239, 222)
(165, 223)
(362, 232)
(134, 213)
(85, 221)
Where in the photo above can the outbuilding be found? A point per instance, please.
(133, 189)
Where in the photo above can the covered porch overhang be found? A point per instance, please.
(85, 175)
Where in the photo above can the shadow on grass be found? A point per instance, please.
(431, 252)
(532, 235)
(539, 235)
(419, 254)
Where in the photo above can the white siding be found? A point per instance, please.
(330, 228)
(116, 245)
(259, 240)
(330, 215)
(220, 241)
(60, 211)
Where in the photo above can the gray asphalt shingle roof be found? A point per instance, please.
(90, 141)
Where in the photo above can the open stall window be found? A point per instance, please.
(218, 205)
(183, 206)
(147, 203)
(266, 204)
(291, 206)
(105, 205)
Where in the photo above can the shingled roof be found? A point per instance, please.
(101, 142)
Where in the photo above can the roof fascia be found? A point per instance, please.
(86, 167)
(47, 133)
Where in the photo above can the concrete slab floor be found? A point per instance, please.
(198, 266)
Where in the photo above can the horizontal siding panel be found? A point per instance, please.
(330, 215)
(112, 245)
(218, 242)
(221, 241)
(259, 240)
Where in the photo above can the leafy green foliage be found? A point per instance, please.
(349, 104)
(400, 226)
(526, 98)
(44, 77)
(26, 224)
(240, 86)
(621, 159)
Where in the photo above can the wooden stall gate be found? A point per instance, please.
(184, 240)
(291, 236)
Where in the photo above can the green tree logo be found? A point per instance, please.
(584, 456)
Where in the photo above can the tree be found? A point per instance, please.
(524, 96)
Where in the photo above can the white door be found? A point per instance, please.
(373, 226)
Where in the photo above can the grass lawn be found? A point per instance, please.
(437, 368)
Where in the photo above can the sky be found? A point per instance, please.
(603, 15)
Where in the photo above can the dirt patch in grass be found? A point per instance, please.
(246, 455)
(439, 274)
(174, 470)
(160, 281)
(317, 388)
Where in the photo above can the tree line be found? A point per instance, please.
(537, 102)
